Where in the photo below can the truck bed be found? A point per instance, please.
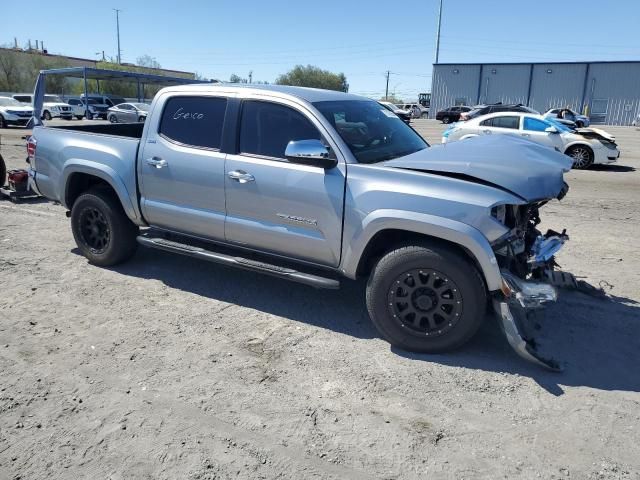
(131, 130)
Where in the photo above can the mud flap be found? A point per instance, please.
(512, 317)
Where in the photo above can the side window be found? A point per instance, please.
(266, 128)
(194, 121)
(506, 122)
(487, 123)
(126, 106)
(535, 125)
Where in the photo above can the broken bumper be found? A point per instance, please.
(513, 306)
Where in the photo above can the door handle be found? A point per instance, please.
(526, 135)
(241, 176)
(156, 162)
(488, 132)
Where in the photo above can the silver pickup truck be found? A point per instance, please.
(311, 186)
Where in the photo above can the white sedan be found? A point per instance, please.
(587, 146)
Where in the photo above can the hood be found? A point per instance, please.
(595, 133)
(56, 104)
(527, 169)
(16, 108)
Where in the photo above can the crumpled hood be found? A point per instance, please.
(595, 133)
(531, 171)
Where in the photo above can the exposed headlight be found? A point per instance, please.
(499, 212)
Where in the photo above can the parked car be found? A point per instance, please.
(103, 103)
(405, 115)
(256, 177)
(586, 146)
(79, 108)
(12, 112)
(480, 110)
(417, 110)
(451, 114)
(53, 106)
(128, 113)
(579, 120)
(636, 121)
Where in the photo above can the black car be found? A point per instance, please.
(452, 114)
(497, 107)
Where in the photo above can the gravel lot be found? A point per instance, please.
(166, 367)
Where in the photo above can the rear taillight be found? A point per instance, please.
(31, 149)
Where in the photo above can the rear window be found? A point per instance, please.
(502, 122)
(194, 121)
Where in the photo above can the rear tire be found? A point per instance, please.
(79, 117)
(3, 124)
(426, 298)
(141, 119)
(582, 156)
(103, 232)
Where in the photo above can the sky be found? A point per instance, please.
(362, 39)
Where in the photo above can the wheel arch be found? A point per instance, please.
(78, 178)
(578, 143)
(382, 233)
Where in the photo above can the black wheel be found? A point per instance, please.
(579, 123)
(46, 115)
(3, 171)
(141, 118)
(113, 119)
(582, 156)
(3, 124)
(101, 229)
(446, 120)
(426, 298)
(90, 117)
(79, 117)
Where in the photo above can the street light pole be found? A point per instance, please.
(118, 32)
(438, 34)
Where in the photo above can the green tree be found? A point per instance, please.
(311, 76)
(147, 61)
(237, 79)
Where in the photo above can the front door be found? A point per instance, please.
(535, 129)
(181, 168)
(277, 206)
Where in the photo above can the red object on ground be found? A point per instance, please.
(18, 180)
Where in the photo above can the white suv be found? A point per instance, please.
(585, 145)
(13, 112)
(52, 107)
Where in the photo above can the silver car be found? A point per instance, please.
(128, 113)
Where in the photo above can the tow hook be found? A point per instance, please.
(519, 297)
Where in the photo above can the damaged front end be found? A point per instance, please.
(527, 260)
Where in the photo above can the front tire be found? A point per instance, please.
(113, 119)
(79, 117)
(141, 119)
(446, 120)
(3, 124)
(103, 232)
(46, 115)
(3, 171)
(425, 298)
(582, 156)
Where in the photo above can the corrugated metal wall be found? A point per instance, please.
(504, 83)
(609, 91)
(555, 86)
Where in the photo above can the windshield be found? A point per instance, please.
(9, 102)
(52, 99)
(371, 132)
(141, 106)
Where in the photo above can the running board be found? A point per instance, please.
(238, 262)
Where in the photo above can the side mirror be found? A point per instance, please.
(309, 152)
(551, 129)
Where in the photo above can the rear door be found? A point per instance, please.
(278, 206)
(181, 168)
(502, 124)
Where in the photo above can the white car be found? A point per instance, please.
(52, 107)
(579, 120)
(12, 112)
(587, 146)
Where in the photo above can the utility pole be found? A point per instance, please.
(386, 92)
(438, 34)
(250, 76)
(118, 32)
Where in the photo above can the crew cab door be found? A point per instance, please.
(278, 206)
(181, 168)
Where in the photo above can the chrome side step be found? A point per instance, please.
(238, 262)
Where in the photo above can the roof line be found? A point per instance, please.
(537, 63)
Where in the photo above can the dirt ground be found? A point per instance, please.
(167, 368)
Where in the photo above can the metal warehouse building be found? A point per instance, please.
(609, 92)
